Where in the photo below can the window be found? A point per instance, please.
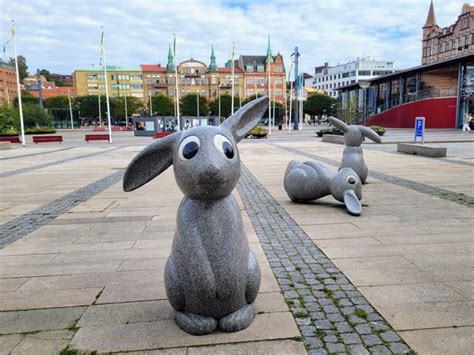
(213, 80)
(136, 86)
(468, 40)
(345, 75)
(91, 77)
(171, 80)
(462, 41)
(353, 73)
(249, 68)
(250, 81)
(171, 92)
(364, 72)
(260, 68)
(136, 77)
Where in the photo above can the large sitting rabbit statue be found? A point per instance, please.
(353, 155)
(308, 181)
(211, 277)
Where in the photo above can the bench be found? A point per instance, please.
(12, 139)
(162, 134)
(423, 150)
(96, 137)
(47, 139)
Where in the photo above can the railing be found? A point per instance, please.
(394, 100)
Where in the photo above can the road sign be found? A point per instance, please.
(420, 129)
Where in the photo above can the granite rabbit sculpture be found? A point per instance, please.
(353, 155)
(308, 181)
(211, 277)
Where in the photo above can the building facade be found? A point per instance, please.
(8, 89)
(329, 79)
(456, 40)
(121, 81)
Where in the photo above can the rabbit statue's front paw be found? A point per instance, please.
(195, 324)
(239, 319)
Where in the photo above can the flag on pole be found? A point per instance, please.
(101, 47)
(12, 33)
(174, 49)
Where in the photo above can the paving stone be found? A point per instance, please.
(350, 338)
(313, 342)
(335, 348)
(9, 342)
(380, 350)
(43, 343)
(399, 348)
(371, 339)
(258, 348)
(390, 336)
(358, 350)
(363, 329)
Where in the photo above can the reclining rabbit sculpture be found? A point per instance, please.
(310, 181)
(353, 155)
(211, 277)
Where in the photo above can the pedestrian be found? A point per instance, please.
(467, 120)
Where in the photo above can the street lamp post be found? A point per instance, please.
(364, 85)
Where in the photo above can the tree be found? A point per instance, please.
(162, 105)
(35, 116)
(88, 105)
(134, 105)
(226, 105)
(9, 118)
(22, 67)
(318, 105)
(46, 74)
(26, 98)
(188, 105)
(56, 102)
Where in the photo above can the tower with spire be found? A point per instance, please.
(213, 64)
(429, 27)
(170, 65)
(269, 59)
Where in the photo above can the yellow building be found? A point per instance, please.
(121, 81)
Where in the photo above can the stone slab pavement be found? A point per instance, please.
(92, 278)
(409, 254)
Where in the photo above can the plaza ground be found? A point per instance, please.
(81, 264)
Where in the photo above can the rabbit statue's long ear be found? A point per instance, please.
(339, 124)
(370, 133)
(150, 163)
(246, 118)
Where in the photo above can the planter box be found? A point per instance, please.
(332, 138)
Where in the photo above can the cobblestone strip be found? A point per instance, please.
(33, 154)
(57, 162)
(332, 316)
(459, 198)
(29, 222)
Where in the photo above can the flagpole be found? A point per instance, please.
(274, 90)
(70, 109)
(269, 100)
(233, 71)
(20, 107)
(291, 106)
(126, 113)
(106, 87)
(100, 110)
(176, 79)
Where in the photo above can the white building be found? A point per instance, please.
(329, 79)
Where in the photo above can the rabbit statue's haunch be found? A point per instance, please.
(308, 181)
(211, 277)
(353, 156)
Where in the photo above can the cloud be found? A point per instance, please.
(64, 35)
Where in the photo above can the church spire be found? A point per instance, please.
(269, 52)
(430, 19)
(170, 64)
(213, 64)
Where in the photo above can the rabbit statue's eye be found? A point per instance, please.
(188, 147)
(351, 179)
(224, 145)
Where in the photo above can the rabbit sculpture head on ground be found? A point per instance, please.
(211, 277)
(308, 181)
(352, 156)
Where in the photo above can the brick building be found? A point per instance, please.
(448, 42)
(8, 90)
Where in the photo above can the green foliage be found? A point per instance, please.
(88, 105)
(226, 105)
(9, 119)
(188, 105)
(9, 132)
(57, 102)
(46, 74)
(26, 98)
(35, 116)
(40, 130)
(379, 130)
(162, 105)
(258, 132)
(349, 112)
(324, 131)
(361, 313)
(22, 67)
(319, 104)
(134, 105)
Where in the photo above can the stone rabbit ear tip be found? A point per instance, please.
(339, 124)
(149, 163)
(246, 118)
(370, 133)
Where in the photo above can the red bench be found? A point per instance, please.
(12, 139)
(47, 139)
(96, 137)
(162, 134)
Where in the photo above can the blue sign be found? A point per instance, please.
(420, 128)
